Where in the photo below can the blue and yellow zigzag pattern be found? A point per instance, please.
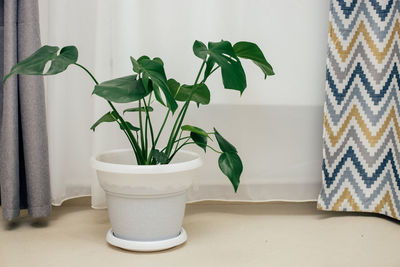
(361, 149)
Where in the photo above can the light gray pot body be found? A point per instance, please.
(145, 203)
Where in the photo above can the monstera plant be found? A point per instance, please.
(150, 82)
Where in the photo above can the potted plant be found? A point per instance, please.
(146, 185)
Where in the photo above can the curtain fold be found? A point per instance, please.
(361, 121)
(24, 170)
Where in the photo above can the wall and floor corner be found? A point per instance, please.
(361, 121)
(24, 169)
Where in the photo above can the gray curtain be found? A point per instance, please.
(24, 168)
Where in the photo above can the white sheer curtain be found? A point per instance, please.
(276, 125)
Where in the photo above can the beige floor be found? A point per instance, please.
(272, 234)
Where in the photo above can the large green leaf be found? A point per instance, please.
(224, 145)
(194, 129)
(158, 96)
(200, 49)
(199, 93)
(198, 135)
(146, 81)
(154, 70)
(174, 87)
(231, 165)
(68, 55)
(199, 139)
(108, 117)
(36, 63)
(222, 54)
(159, 60)
(229, 162)
(136, 65)
(122, 90)
(253, 52)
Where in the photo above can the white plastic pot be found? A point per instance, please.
(146, 204)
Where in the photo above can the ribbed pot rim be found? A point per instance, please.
(191, 164)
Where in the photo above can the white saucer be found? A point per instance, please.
(146, 245)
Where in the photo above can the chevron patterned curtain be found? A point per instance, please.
(362, 109)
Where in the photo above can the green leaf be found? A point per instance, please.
(253, 52)
(158, 96)
(36, 63)
(194, 129)
(136, 65)
(231, 165)
(160, 157)
(154, 70)
(159, 60)
(143, 58)
(224, 145)
(198, 135)
(108, 117)
(122, 90)
(68, 55)
(199, 139)
(130, 127)
(201, 95)
(200, 50)
(149, 109)
(146, 81)
(174, 87)
(229, 162)
(111, 117)
(222, 53)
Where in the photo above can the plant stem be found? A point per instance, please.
(146, 141)
(88, 72)
(136, 147)
(205, 78)
(158, 136)
(149, 120)
(127, 136)
(176, 128)
(183, 138)
(127, 131)
(177, 141)
(190, 143)
(198, 74)
(147, 125)
(182, 113)
(162, 126)
(141, 128)
(176, 150)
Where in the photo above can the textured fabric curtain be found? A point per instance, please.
(24, 170)
(276, 125)
(361, 122)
